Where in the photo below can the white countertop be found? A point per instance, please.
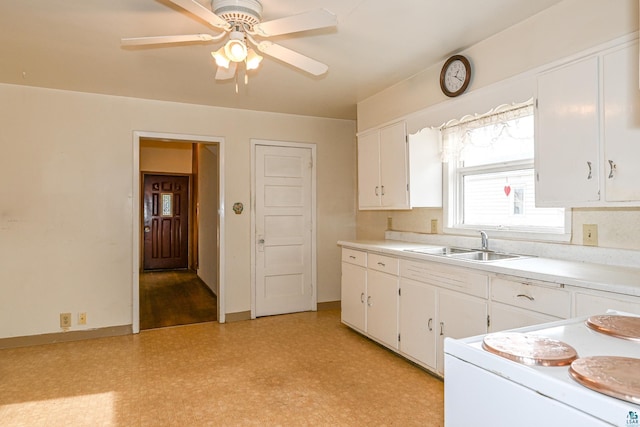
(623, 280)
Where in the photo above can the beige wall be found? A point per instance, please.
(208, 216)
(568, 28)
(66, 189)
(165, 156)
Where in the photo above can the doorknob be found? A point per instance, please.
(147, 229)
(260, 243)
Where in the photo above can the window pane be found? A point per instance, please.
(499, 142)
(506, 199)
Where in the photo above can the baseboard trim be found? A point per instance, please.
(58, 337)
(237, 317)
(329, 305)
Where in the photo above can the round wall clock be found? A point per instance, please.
(455, 75)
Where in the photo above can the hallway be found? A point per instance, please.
(174, 297)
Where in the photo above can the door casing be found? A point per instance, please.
(136, 211)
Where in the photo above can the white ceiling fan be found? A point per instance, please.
(240, 21)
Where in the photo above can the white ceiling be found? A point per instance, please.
(75, 45)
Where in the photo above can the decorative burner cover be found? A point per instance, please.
(614, 376)
(529, 349)
(626, 327)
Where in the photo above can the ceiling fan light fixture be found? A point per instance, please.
(221, 58)
(235, 48)
(253, 60)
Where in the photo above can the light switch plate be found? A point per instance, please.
(590, 234)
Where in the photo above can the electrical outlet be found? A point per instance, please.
(65, 320)
(389, 223)
(82, 318)
(434, 226)
(590, 234)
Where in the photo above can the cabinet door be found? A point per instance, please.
(418, 321)
(382, 307)
(567, 135)
(369, 171)
(505, 317)
(460, 316)
(621, 125)
(354, 294)
(393, 167)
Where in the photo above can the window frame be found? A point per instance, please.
(453, 205)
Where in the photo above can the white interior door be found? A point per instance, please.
(283, 230)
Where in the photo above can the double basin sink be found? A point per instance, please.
(465, 254)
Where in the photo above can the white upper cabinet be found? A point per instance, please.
(397, 172)
(621, 125)
(588, 131)
(567, 135)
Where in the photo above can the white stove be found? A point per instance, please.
(484, 389)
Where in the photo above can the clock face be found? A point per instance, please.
(455, 75)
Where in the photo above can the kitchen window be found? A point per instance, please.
(491, 177)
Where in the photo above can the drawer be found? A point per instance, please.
(454, 278)
(354, 257)
(542, 299)
(383, 263)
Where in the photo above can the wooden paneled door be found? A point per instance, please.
(166, 222)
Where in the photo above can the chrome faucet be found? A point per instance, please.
(485, 241)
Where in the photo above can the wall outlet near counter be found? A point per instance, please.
(434, 226)
(590, 234)
(82, 318)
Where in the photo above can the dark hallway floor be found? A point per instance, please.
(174, 297)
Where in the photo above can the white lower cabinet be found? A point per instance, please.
(382, 307)
(354, 294)
(418, 322)
(411, 306)
(438, 301)
(370, 295)
(460, 316)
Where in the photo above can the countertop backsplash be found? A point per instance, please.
(590, 254)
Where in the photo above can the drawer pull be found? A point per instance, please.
(352, 257)
(441, 328)
(382, 264)
(362, 297)
(369, 303)
(530, 298)
(430, 324)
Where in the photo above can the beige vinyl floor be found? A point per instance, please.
(304, 369)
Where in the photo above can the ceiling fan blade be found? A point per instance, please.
(137, 41)
(226, 73)
(320, 18)
(291, 57)
(203, 13)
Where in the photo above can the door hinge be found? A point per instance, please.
(488, 321)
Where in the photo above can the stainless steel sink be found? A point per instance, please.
(464, 254)
(484, 256)
(441, 251)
